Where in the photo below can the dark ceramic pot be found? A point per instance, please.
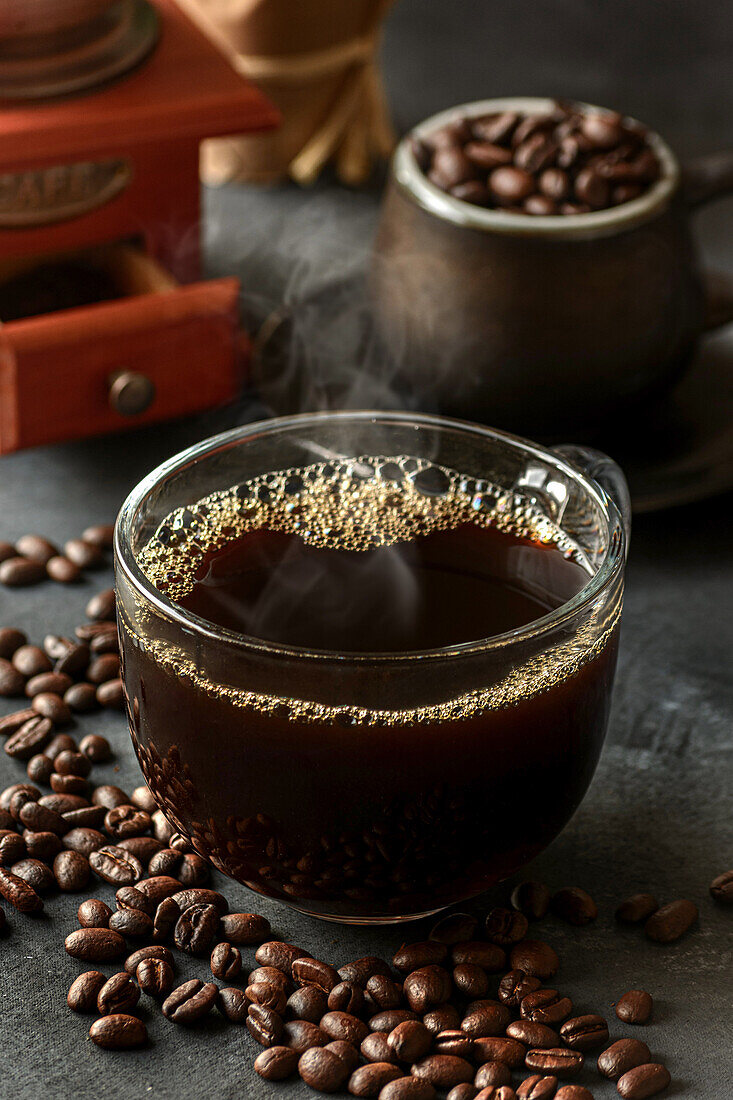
(540, 324)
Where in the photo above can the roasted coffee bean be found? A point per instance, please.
(558, 1061)
(154, 951)
(322, 1070)
(307, 1003)
(515, 985)
(166, 861)
(442, 1018)
(573, 1092)
(142, 797)
(635, 1007)
(20, 572)
(196, 928)
(307, 971)
(16, 795)
(489, 956)
(342, 1025)
(12, 722)
(454, 1042)
(126, 821)
(179, 843)
(369, 1080)
(508, 1051)
(201, 896)
(226, 962)
(538, 1036)
(277, 1063)
(621, 1056)
(73, 661)
(390, 1018)
(60, 742)
(721, 888)
(105, 641)
(94, 944)
(414, 956)
(100, 534)
(83, 554)
(470, 980)
(492, 1075)
(233, 1004)
(585, 1032)
(534, 957)
(55, 683)
(670, 922)
(12, 848)
(51, 706)
(7, 821)
(82, 995)
(102, 669)
(12, 682)
(345, 997)
(93, 913)
(68, 784)
(72, 763)
(10, 638)
(119, 994)
(62, 803)
(643, 1081)
(537, 1087)
(109, 796)
(63, 570)
(87, 817)
(116, 865)
(81, 698)
(71, 870)
(190, 1001)
(102, 606)
(407, 1088)
(509, 185)
(111, 694)
(484, 1019)
(428, 986)
(443, 1071)
(30, 739)
(129, 897)
(166, 916)
(274, 953)
(18, 893)
(361, 970)
(410, 1041)
(273, 996)
(375, 1048)
(143, 847)
(574, 905)
(132, 923)
(301, 1035)
(384, 992)
(118, 1032)
(35, 873)
(506, 926)
(39, 768)
(346, 1052)
(486, 155)
(454, 928)
(30, 661)
(42, 845)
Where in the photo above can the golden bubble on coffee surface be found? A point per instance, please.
(359, 504)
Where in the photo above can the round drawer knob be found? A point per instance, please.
(130, 393)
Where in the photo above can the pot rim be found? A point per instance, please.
(599, 223)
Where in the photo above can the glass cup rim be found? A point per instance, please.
(612, 564)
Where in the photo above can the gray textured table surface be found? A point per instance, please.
(658, 814)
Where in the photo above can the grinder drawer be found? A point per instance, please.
(154, 351)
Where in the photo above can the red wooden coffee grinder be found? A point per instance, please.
(103, 105)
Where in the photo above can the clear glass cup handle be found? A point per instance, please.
(603, 470)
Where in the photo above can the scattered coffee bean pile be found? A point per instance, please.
(562, 162)
(33, 558)
(464, 1013)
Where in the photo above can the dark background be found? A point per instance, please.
(658, 814)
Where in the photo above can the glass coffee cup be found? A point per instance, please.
(354, 783)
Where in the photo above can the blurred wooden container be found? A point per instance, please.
(316, 61)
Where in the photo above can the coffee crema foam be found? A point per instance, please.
(360, 504)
